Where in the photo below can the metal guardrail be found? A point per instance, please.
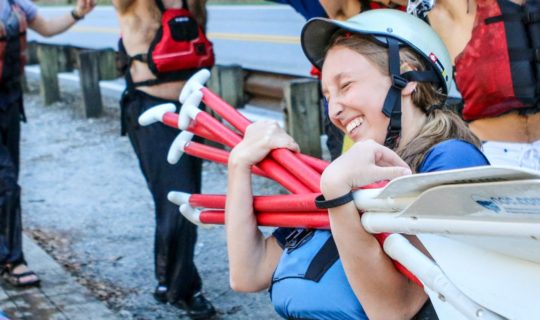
(297, 97)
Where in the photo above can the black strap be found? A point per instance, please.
(392, 102)
(323, 260)
(142, 57)
(322, 203)
(528, 17)
(163, 78)
(160, 6)
(422, 76)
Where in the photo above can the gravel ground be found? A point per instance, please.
(86, 202)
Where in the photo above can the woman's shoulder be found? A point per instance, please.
(28, 7)
(452, 154)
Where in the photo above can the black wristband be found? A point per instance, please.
(321, 203)
(76, 16)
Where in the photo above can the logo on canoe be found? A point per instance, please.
(490, 205)
(509, 205)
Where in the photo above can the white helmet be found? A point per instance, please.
(382, 24)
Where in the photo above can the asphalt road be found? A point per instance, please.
(257, 37)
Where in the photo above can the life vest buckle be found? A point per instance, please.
(297, 238)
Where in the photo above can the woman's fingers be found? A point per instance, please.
(387, 158)
(387, 173)
(260, 139)
(366, 162)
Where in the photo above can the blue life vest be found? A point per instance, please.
(300, 291)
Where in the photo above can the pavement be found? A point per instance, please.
(59, 297)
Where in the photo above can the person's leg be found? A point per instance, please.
(175, 237)
(11, 254)
(132, 105)
(13, 133)
(10, 213)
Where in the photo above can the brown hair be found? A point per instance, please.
(441, 124)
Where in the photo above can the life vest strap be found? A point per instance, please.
(528, 17)
(323, 260)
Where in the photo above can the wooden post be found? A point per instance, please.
(107, 65)
(213, 82)
(31, 53)
(228, 83)
(231, 80)
(302, 102)
(89, 80)
(48, 62)
(64, 59)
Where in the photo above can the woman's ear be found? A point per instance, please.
(409, 88)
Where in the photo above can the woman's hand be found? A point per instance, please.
(364, 163)
(84, 7)
(259, 139)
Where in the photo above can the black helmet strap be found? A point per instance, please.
(392, 102)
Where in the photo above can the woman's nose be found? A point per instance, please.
(335, 109)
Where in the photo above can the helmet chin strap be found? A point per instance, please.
(392, 102)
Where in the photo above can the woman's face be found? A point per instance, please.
(355, 91)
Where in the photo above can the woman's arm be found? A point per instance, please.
(56, 25)
(383, 292)
(252, 258)
(341, 9)
(197, 8)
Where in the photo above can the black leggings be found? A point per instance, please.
(175, 236)
(10, 201)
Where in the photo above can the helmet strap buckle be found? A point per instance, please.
(398, 82)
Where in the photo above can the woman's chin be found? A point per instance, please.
(355, 138)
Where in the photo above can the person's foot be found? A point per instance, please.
(20, 276)
(160, 294)
(198, 307)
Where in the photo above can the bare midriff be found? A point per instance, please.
(511, 127)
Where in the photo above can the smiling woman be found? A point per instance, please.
(385, 75)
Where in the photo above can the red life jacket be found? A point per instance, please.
(178, 50)
(499, 69)
(12, 45)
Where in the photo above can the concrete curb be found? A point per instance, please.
(59, 297)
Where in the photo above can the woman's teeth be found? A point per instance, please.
(353, 124)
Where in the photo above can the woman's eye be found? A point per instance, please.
(345, 85)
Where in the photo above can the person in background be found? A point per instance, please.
(385, 78)
(152, 29)
(16, 17)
